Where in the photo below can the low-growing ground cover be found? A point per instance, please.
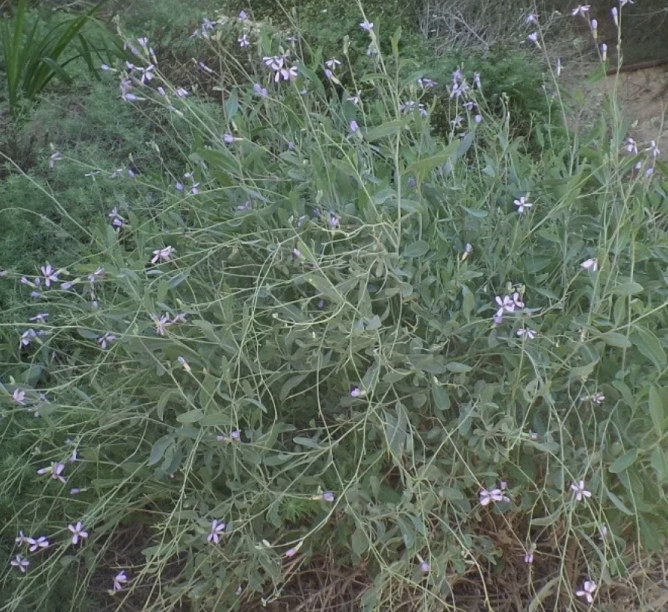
(303, 349)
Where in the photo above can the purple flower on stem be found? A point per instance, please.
(425, 568)
(107, 339)
(356, 392)
(120, 580)
(261, 91)
(495, 495)
(244, 41)
(582, 9)
(50, 275)
(528, 558)
(20, 539)
(353, 126)
(366, 25)
(56, 471)
(217, 529)
(20, 563)
(579, 490)
(37, 544)
(78, 533)
(160, 323)
(54, 157)
(587, 591)
(162, 254)
(19, 396)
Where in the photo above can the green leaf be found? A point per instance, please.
(475, 212)
(659, 464)
(440, 396)
(627, 289)
(359, 541)
(396, 430)
(657, 411)
(624, 462)
(615, 339)
(457, 367)
(192, 416)
(159, 448)
(416, 249)
(648, 344)
(619, 504)
(389, 128)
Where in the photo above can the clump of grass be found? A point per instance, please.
(334, 338)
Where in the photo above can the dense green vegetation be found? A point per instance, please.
(289, 321)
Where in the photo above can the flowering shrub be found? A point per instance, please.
(334, 340)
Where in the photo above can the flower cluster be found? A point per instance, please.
(278, 64)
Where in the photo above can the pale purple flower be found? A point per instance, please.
(495, 495)
(328, 496)
(37, 544)
(533, 37)
(517, 300)
(107, 339)
(623, 3)
(505, 303)
(288, 74)
(603, 531)
(75, 491)
(558, 67)
(587, 591)
(56, 471)
(244, 41)
(531, 18)
(296, 252)
(160, 323)
(333, 221)
(653, 149)
(582, 9)
(275, 62)
(291, 552)
(228, 138)
(20, 563)
(604, 52)
(425, 568)
(332, 63)
(497, 318)
(631, 146)
(526, 332)
(528, 558)
(50, 275)
(476, 80)
(522, 204)
(579, 490)
(78, 533)
(426, 83)
(590, 264)
(356, 98)
(19, 396)
(27, 336)
(356, 392)
(598, 398)
(217, 529)
(261, 91)
(243, 16)
(53, 158)
(162, 254)
(120, 580)
(20, 539)
(353, 126)
(366, 25)
(615, 15)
